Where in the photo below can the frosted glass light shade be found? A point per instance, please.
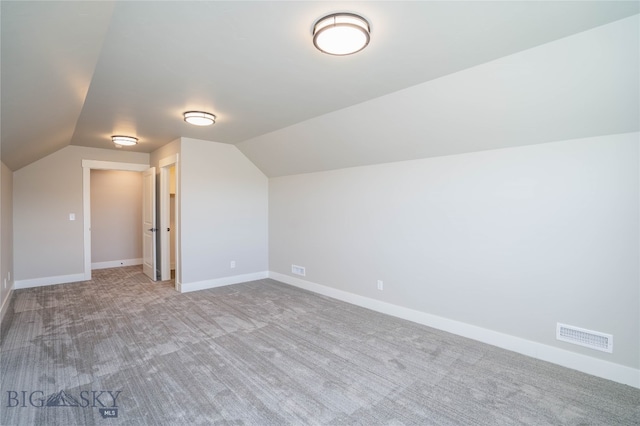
(341, 34)
(124, 140)
(199, 118)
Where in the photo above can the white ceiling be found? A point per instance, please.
(78, 72)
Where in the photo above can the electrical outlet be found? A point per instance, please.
(380, 285)
(298, 270)
(232, 264)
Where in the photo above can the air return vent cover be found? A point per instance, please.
(580, 336)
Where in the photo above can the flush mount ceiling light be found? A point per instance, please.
(199, 118)
(341, 34)
(124, 140)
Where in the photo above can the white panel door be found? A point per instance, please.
(149, 223)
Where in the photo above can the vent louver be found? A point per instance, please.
(588, 338)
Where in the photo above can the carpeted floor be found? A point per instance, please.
(264, 353)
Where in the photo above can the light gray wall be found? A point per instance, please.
(6, 232)
(511, 240)
(223, 212)
(46, 242)
(165, 151)
(116, 215)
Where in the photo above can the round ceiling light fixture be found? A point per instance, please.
(199, 118)
(124, 140)
(341, 34)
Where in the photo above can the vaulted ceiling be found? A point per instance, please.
(75, 73)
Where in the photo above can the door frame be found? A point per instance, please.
(165, 165)
(87, 166)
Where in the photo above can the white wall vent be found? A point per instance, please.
(298, 270)
(588, 338)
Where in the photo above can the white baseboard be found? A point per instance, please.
(39, 282)
(586, 364)
(116, 263)
(219, 282)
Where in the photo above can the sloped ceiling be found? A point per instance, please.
(78, 72)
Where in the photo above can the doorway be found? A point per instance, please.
(116, 208)
(169, 212)
(87, 166)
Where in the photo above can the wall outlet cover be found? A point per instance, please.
(298, 270)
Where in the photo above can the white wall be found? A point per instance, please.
(6, 235)
(116, 218)
(48, 247)
(511, 240)
(223, 215)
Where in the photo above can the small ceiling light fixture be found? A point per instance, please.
(199, 118)
(124, 140)
(341, 34)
